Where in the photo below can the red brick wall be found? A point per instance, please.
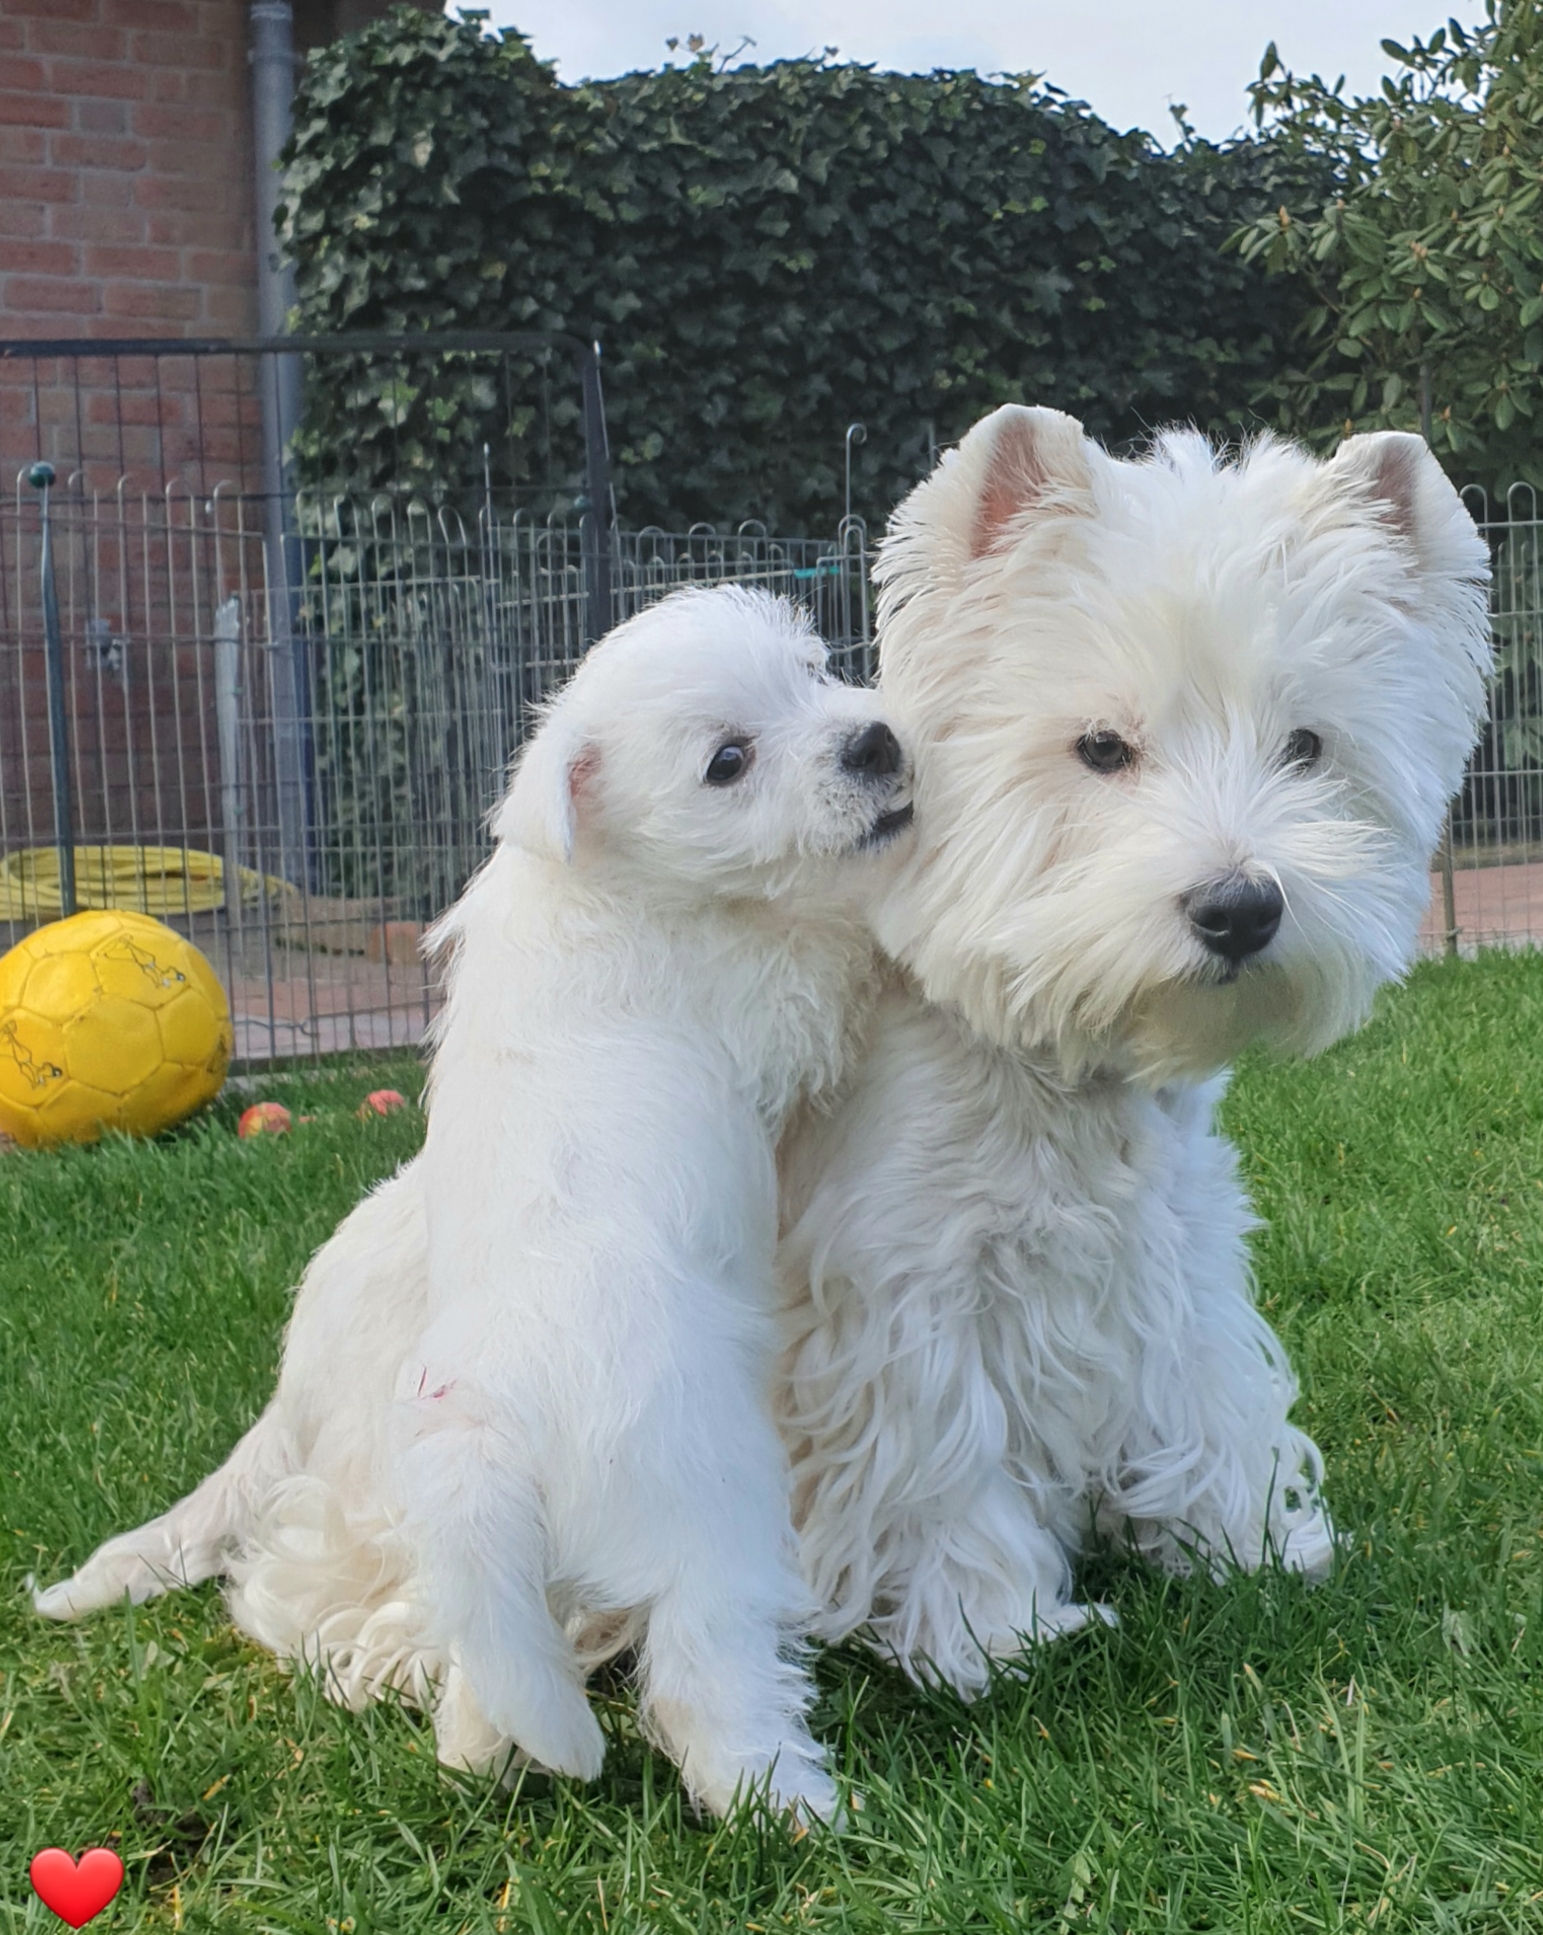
(125, 169)
(126, 210)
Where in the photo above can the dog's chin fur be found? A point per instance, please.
(1186, 1030)
(1016, 1275)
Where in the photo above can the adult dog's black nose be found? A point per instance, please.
(1235, 917)
(873, 753)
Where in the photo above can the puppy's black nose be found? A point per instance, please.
(873, 753)
(1235, 917)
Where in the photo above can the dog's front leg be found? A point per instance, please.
(913, 1532)
(919, 1525)
(1213, 1470)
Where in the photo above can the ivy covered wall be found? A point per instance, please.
(766, 255)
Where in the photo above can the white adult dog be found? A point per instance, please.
(1184, 731)
(529, 1380)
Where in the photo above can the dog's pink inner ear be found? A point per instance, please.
(583, 771)
(582, 778)
(553, 792)
(1395, 480)
(1035, 456)
(1384, 467)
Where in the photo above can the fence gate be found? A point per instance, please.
(289, 695)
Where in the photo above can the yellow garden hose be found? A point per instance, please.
(146, 880)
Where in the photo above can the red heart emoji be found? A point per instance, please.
(77, 1892)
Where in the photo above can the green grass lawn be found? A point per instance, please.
(1250, 1757)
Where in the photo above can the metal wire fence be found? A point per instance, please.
(294, 767)
(1490, 882)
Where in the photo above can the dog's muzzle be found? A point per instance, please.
(1235, 918)
(875, 758)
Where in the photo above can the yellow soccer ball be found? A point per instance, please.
(107, 1021)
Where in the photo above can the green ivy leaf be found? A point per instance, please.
(767, 255)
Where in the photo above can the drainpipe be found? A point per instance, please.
(272, 57)
(272, 60)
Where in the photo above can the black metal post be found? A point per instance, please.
(41, 477)
(288, 681)
(272, 57)
(595, 505)
(856, 433)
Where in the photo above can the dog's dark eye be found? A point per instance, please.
(1303, 749)
(731, 761)
(1105, 752)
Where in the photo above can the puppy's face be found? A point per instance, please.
(703, 748)
(1184, 733)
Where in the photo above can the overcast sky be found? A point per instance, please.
(1129, 58)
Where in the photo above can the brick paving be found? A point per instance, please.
(1500, 906)
(323, 1004)
(320, 988)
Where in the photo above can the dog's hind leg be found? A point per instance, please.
(724, 1699)
(184, 1546)
(474, 1522)
(463, 1734)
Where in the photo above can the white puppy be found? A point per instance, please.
(530, 1378)
(1184, 734)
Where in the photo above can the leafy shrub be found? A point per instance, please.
(766, 255)
(1424, 257)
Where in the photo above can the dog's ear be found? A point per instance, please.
(1014, 465)
(554, 781)
(1395, 472)
(1023, 460)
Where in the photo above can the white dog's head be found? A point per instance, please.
(703, 746)
(1185, 731)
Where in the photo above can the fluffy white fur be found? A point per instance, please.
(525, 1394)
(1016, 1271)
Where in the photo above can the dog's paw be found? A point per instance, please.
(1310, 1547)
(579, 1752)
(1071, 1618)
(564, 1738)
(118, 1567)
(560, 1734)
(795, 1789)
(813, 1800)
(55, 1602)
